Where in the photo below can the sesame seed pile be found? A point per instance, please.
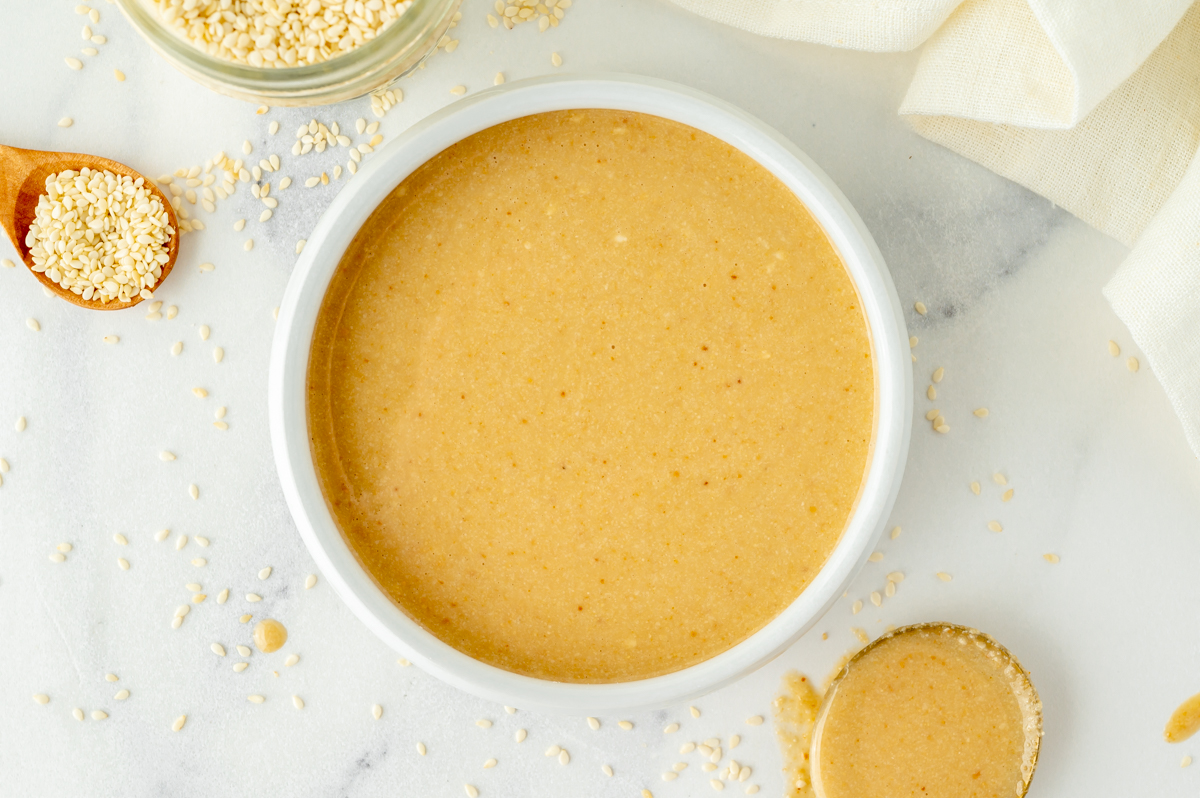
(279, 33)
(545, 14)
(99, 235)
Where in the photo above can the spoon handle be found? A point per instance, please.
(16, 165)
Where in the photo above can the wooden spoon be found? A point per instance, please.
(23, 176)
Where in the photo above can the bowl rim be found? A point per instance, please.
(353, 206)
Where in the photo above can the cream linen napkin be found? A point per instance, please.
(1094, 104)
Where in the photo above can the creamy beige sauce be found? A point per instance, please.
(591, 396)
(929, 711)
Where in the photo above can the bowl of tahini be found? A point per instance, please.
(590, 393)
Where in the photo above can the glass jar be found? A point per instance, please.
(395, 51)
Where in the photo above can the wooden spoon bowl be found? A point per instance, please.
(23, 176)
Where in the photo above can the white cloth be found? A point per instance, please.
(1095, 104)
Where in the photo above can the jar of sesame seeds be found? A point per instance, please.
(292, 52)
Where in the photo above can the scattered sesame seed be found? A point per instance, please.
(8, 264)
(932, 414)
(249, 245)
(245, 618)
(123, 563)
(670, 776)
(41, 698)
(491, 763)
(896, 576)
(483, 723)
(593, 724)
(176, 622)
(890, 589)
(255, 699)
(310, 581)
(876, 557)
(995, 526)
(981, 412)
(1132, 364)
(556, 59)
(253, 597)
(376, 711)
(77, 713)
(180, 542)
(66, 121)
(421, 749)
(20, 425)
(161, 535)
(895, 532)
(74, 63)
(182, 610)
(121, 695)
(1187, 760)
(65, 548)
(56, 557)
(201, 540)
(553, 750)
(876, 599)
(118, 538)
(471, 791)
(945, 577)
(511, 710)
(176, 348)
(218, 649)
(608, 771)
(218, 354)
(705, 749)
(203, 330)
(1050, 558)
(172, 311)
(1007, 495)
(679, 767)
(717, 784)
(238, 667)
(647, 794)
(264, 573)
(179, 722)
(942, 428)
(919, 307)
(754, 721)
(195, 587)
(221, 425)
(1113, 349)
(625, 725)
(193, 491)
(564, 758)
(297, 702)
(735, 740)
(752, 789)
(931, 392)
(99, 714)
(300, 247)
(671, 728)
(459, 90)
(975, 488)
(33, 324)
(687, 748)
(166, 456)
(861, 634)
(198, 598)
(912, 342)
(856, 607)
(291, 660)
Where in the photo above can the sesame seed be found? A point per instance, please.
(735, 740)
(459, 90)
(121, 695)
(201, 540)
(754, 721)
(253, 597)
(310, 581)
(593, 724)
(471, 791)
(249, 245)
(856, 607)
(695, 712)
(41, 698)
(705, 749)
(670, 776)
(245, 618)
(20, 425)
(56, 557)
(717, 784)
(553, 750)
(861, 634)
(221, 425)
(895, 532)
(896, 576)
(297, 702)
(180, 542)
(511, 710)
(491, 763)
(198, 598)
(238, 667)
(291, 660)
(194, 587)
(919, 307)
(499, 79)
(179, 722)
(483, 723)
(1007, 495)
(161, 535)
(564, 758)
(1187, 760)
(172, 311)
(77, 713)
(182, 610)
(123, 563)
(176, 622)
(995, 526)
(33, 324)
(66, 121)
(218, 649)
(99, 714)
(679, 767)
(421, 749)
(1132, 364)
(938, 373)
(166, 456)
(74, 63)
(65, 548)
(931, 392)
(3, 466)
(218, 354)
(932, 414)
(942, 428)
(671, 728)
(876, 557)
(975, 488)
(945, 577)
(912, 342)
(255, 699)
(300, 246)
(556, 59)
(176, 348)
(376, 711)
(687, 748)
(625, 725)
(1113, 349)
(204, 330)
(193, 491)
(119, 75)
(8, 264)
(265, 215)
(890, 589)
(1050, 558)
(876, 599)
(264, 573)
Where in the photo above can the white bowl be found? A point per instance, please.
(385, 170)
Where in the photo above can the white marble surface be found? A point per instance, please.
(1101, 472)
